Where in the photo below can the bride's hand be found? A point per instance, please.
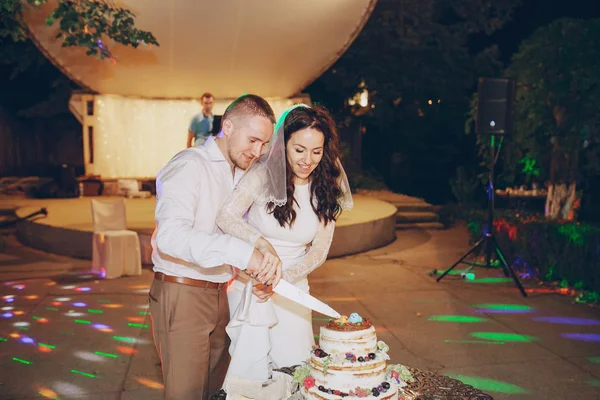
(270, 272)
(263, 292)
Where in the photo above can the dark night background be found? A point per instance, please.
(51, 136)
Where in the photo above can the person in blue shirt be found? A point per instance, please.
(202, 123)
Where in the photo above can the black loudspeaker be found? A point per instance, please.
(495, 113)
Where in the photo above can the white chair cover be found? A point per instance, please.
(115, 250)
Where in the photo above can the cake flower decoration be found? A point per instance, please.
(309, 382)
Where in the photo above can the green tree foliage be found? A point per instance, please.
(85, 24)
(556, 109)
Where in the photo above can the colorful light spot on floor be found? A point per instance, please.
(102, 327)
(89, 356)
(83, 289)
(82, 373)
(496, 308)
(584, 337)
(124, 339)
(83, 322)
(72, 313)
(567, 320)
(504, 337)
(27, 340)
(595, 359)
(126, 350)
(48, 393)
(489, 385)
(461, 319)
(150, 383)
(132, 325)
(80, 304)
(112, 305)
(20, 360)
(91, 311)
(109, 355)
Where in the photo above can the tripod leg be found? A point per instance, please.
(471, 250)
(508, 268)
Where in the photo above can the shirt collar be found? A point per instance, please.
(213, 150)
(215, 154)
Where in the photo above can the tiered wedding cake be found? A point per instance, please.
(350, 363)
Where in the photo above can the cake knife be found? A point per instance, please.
(291, 292)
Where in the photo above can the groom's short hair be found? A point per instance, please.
(247, 105)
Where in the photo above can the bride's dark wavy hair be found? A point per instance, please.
(325, 188)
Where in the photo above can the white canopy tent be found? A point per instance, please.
(273, 48)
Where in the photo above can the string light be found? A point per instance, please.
(136, 137)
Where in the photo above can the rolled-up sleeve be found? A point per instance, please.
(178, 188)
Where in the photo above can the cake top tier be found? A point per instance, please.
(349, 324)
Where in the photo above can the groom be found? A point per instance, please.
(193, 259)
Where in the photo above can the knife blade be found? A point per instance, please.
(291, 292)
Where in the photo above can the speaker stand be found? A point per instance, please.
(488, 241)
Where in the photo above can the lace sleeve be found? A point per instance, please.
(316, 255)
(230, 218)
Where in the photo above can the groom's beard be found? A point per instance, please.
(241, 161)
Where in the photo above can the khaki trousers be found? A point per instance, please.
(188, 324)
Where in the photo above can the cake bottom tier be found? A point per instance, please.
(315, 394)
(347, 377)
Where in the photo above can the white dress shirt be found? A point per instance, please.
(189, 193)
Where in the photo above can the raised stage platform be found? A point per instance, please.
(67, 229)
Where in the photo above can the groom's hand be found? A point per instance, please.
(270, 273)
(272, 264)
(255, 264)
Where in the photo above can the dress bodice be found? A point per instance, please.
(290, 243)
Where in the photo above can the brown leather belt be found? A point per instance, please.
(189, 281)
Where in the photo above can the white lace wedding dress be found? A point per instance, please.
(277, 333)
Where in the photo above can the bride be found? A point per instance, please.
(291, 198)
